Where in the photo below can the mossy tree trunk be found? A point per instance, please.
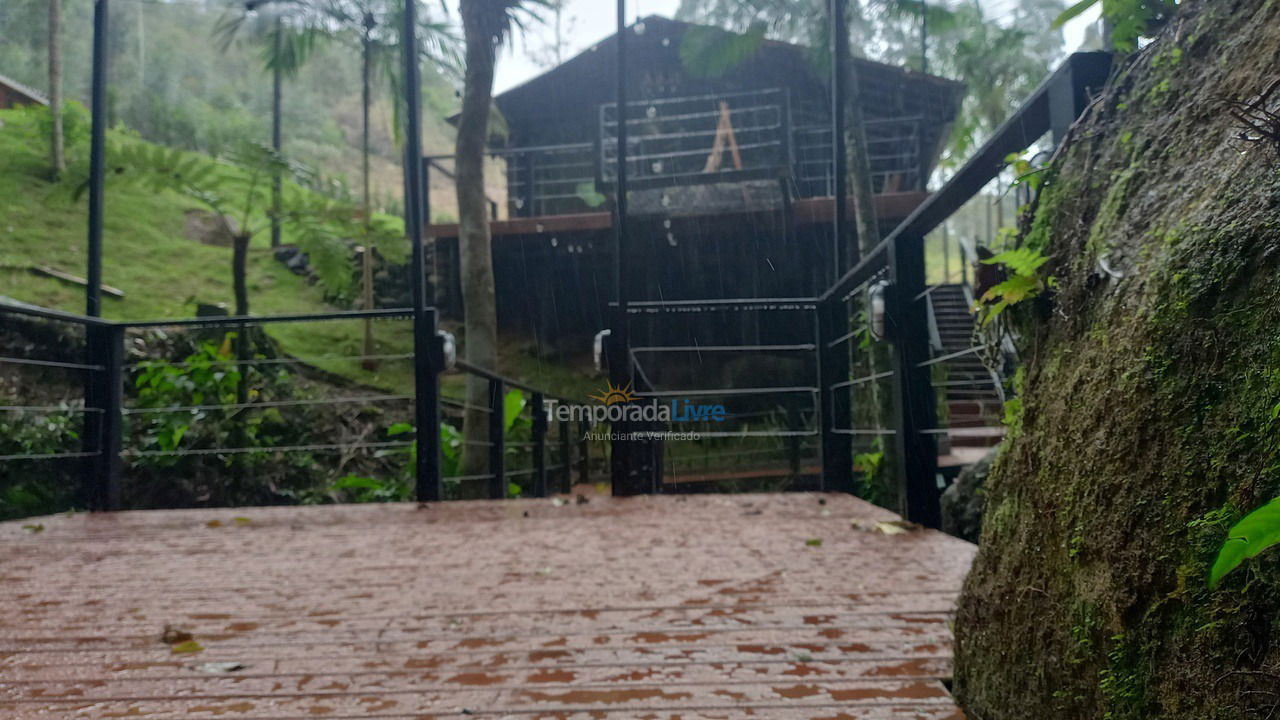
(1146, 420)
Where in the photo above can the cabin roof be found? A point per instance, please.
(24, 90)
(871, 70)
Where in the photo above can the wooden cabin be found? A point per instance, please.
(730, 165)
(15, 94)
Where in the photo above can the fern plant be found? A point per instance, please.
(236, 191)
(1129, 19)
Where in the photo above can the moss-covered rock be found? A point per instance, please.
(1147, 422)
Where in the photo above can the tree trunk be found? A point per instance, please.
(277, 112)
(366, 272)
(867, 226)
(481, 322)
(58, 158)
(239, 273)
(860, 189)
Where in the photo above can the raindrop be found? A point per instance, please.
(640, 28)
(651, 112)
(666, 224)
(539, 228)
(666, 42)
(666, 200)
(555, 242)
(519, 203)
(657, 167)
(671, 240)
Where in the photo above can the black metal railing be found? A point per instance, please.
(212, 411)
(884, 297)
(728, 137)
(51, 401)
(692, 140)
(893, 153)
(767, 436)
(546, 458)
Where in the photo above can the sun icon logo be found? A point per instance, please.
(615, 395)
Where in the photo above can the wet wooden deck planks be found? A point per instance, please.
(682, 607)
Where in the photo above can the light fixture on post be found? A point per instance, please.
(876, 309)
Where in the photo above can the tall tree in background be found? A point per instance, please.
(1000, 60)
(486, 25)
(367, 22)
(59, 156)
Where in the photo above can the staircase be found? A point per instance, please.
(974, 399)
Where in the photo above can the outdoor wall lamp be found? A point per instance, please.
(448, 349)
(597, 349)
(875, 297)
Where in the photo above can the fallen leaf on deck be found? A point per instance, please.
(175, 635)
(218, 668)
(187, 648)
(242, 521)
(214, 524)
(813, 542)
(33, 529)
(896, 527)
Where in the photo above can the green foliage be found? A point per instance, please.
(38, 487)
(1130, 19)
(874, 472)
(712, 52)
(1023, 282)
(205, 377)
(1257, 532)
(172, 82)
(518, 429)
(238, 192)
(1000, 63)
(588, 194)
(1025, 173)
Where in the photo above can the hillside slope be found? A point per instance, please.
(1148, 421)
(148, 254)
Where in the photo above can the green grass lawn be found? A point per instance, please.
(163, 273)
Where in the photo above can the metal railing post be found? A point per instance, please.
(835, 410)
(539, 409)
(497, 439)
(428, 362)
(566, 458)
(584, 453)
(530, 193)
(97, 157)
(104, 391)
(915, 405)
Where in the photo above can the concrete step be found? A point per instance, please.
(976, 436)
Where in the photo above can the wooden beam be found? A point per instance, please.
(68, 277)
(809, 211)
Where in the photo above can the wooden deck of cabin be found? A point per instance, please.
(890, 207)
(655, 607)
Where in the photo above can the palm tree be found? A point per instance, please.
(287, 34)
(486, 25)
(371, 25)
(56, 145)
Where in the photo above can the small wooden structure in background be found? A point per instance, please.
(15, 94)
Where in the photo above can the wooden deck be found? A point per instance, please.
(808, 211)
(660, 607)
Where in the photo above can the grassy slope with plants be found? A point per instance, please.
(1147, 423)
(148, 255)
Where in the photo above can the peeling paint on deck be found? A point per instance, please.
(656, 607)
